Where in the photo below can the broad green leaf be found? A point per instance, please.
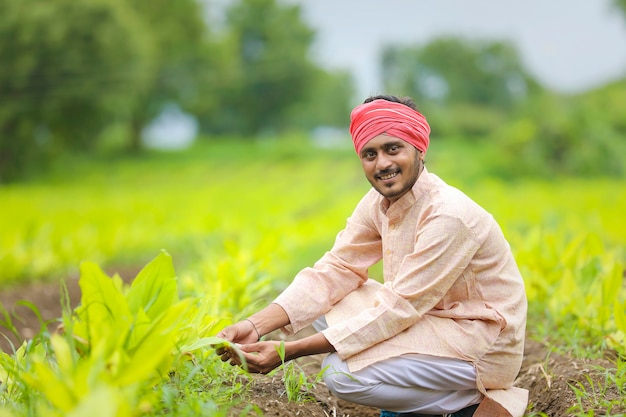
(204, 342)
(215, 342)
(104, 309)
(154, 289)
(152, 353)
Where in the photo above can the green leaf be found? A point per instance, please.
(104, 309)
(102, 402)
(154, 289)
(204, 342)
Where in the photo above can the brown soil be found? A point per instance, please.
(547, 375)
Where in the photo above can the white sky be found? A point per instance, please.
(569, 45)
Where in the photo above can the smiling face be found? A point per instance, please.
(391, 165)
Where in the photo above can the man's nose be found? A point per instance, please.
(383, 162)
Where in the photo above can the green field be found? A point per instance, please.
(239, 219)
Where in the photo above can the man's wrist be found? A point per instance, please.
(258, 335)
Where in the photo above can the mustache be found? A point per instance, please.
(387, 172)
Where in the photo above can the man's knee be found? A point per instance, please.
(343, 385)
(340, 381)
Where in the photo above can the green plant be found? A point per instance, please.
(112, 349)
(297, 383)
(591, 395)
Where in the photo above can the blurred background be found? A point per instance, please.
(545, 82)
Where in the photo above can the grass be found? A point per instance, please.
(596, 392)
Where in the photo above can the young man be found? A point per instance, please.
(444, 333)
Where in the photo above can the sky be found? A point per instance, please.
(570, 46)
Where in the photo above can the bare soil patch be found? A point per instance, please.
(545, 374)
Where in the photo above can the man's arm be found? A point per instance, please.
(262, 357)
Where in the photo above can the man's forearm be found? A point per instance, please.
(311, 345)
(269, 319)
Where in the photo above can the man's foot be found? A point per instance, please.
(385, 413)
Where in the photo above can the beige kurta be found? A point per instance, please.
(451, 288)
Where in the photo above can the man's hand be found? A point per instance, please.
(262, 357)
(259, 357)
(240, 332)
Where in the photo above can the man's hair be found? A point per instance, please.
(407, 101)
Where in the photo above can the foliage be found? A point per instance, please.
(466, 88)
(596, 393)
(183, 65)
(90, 75)
(327, 102)
(127, 209)
(269, 71)
(297, 383)
(119, 343)
(554, 135)
(453, 70)
(71, 67)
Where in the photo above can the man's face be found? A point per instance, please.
(391, 165)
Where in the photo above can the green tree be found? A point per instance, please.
(265, 46)
(327, 102)
(452, 70)
(67, 68)
(184, 67)
(579, 135)
(467, 88)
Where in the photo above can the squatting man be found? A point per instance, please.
(444, 333)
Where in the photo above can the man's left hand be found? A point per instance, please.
(262, 357)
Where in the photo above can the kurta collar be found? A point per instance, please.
(421, 186)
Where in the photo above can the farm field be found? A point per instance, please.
(237, 220)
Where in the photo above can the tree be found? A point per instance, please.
(184, 70)
(579, 135)
(451, 70)
(266, 47)
(67, 69)
(327, 103)
(467, 88)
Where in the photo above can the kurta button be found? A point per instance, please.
(387, 251)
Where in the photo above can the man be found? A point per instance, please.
(444, 333)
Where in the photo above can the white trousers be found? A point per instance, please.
(408, 383)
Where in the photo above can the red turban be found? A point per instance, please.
(394, 119)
